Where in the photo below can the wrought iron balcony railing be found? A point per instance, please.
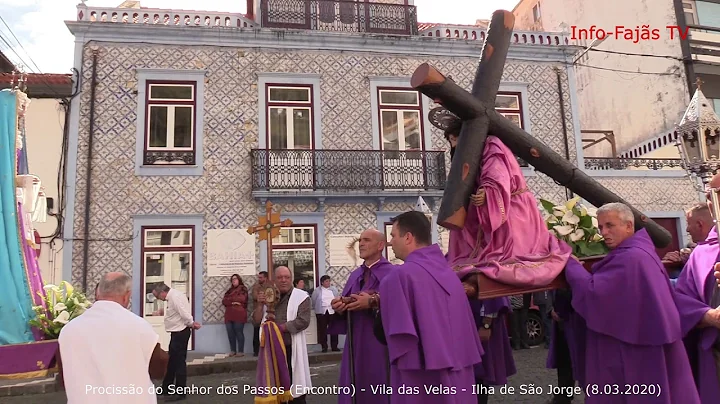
(619, 163)
(347, 170)
(340, 16)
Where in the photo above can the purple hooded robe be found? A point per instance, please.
(370, 356)
(693, 292)
(633, 337)
(506, 237)
(425, 312)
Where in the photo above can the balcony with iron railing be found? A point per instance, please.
(347, 170)
(340, 16)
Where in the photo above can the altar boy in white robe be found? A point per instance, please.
(292, 315)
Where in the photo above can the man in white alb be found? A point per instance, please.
(322, 298)
(108, 353)
(179, 323)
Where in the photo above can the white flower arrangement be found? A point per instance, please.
(63, 304)
(575, 224)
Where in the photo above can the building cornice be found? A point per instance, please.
(266, 38)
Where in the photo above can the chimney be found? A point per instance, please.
(250, 10)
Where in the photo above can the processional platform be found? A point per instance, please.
(490, 288)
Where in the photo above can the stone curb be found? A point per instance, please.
(24, 388)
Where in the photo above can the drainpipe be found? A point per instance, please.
(88, 172)
(568, 192)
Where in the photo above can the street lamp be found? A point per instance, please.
(698, 141)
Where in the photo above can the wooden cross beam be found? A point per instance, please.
(268, 227)
(477, 110)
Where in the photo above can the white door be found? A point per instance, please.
(170, 267)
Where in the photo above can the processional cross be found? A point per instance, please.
(268, 227)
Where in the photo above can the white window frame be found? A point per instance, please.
(292, 230)
(507, 112)
(289, 113)
(147, 231)
(689, 7)
(389, 253)
(170, 104)
(536, 12)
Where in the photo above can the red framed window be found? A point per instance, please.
(168, 257)
(170, 126)
(401, 119)
(289, 116)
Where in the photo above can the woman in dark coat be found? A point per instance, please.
(235, 302)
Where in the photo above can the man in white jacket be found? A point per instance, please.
(292, 315)
(110, 354)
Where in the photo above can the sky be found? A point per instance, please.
(47, 44)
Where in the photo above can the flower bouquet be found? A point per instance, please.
(61, 304)
(575, 224)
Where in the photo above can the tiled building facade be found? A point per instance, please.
(222, 96)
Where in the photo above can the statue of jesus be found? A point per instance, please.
(505, 236)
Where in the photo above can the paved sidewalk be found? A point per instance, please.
(198, 365)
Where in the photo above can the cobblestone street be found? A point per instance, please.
(530, 364)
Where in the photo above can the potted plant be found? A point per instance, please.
(577, 225)
(61, 304)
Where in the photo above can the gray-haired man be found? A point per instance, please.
(179, 323)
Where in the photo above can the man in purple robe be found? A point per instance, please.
(698, 297)
(425, 314)
(634, 351)
(369, 355)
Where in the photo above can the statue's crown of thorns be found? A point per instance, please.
(442, 118)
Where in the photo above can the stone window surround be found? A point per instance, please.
(169, 76)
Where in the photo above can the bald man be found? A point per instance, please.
(369, 355)
(699, 223)
(292, 315)
(108, 345)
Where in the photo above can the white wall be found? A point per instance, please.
(635, 106)
(44, 128)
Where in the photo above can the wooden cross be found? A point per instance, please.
(268, 227)
(477, 111)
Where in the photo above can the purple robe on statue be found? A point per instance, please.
(633, 335)
(693, 292)
(370, 356)
(506, 237)
(497, 361)
(425, 312)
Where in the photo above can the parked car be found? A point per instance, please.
(535, 326)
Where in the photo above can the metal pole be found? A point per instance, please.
(351, 354)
